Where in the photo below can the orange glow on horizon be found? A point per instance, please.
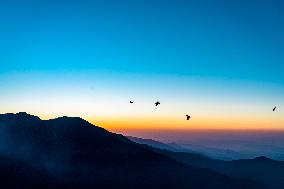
(121, 124)
(117, 125)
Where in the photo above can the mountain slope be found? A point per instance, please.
(260, 169)
(72, 153)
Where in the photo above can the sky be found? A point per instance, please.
(219, 61)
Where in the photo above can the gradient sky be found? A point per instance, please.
(219, 61)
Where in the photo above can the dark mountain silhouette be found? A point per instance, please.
(72, 153)
(260, 169)
(17, 174)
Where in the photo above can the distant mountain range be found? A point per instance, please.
(72, 153)
(170, 146)
(223, 154)
(260, 169)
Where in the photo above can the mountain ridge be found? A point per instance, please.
(261, 168)
(73, 153)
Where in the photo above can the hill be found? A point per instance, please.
(260, 169)
(72, 153)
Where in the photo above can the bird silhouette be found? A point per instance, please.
(274, 109)
(187, 117)
(157, 103)
(131, 102)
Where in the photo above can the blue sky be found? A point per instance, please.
(194, 49)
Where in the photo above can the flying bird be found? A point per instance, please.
(274, 109)
(131, 102)
(157, 103)
(187, 117)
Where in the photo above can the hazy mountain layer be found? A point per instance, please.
(72, 153)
